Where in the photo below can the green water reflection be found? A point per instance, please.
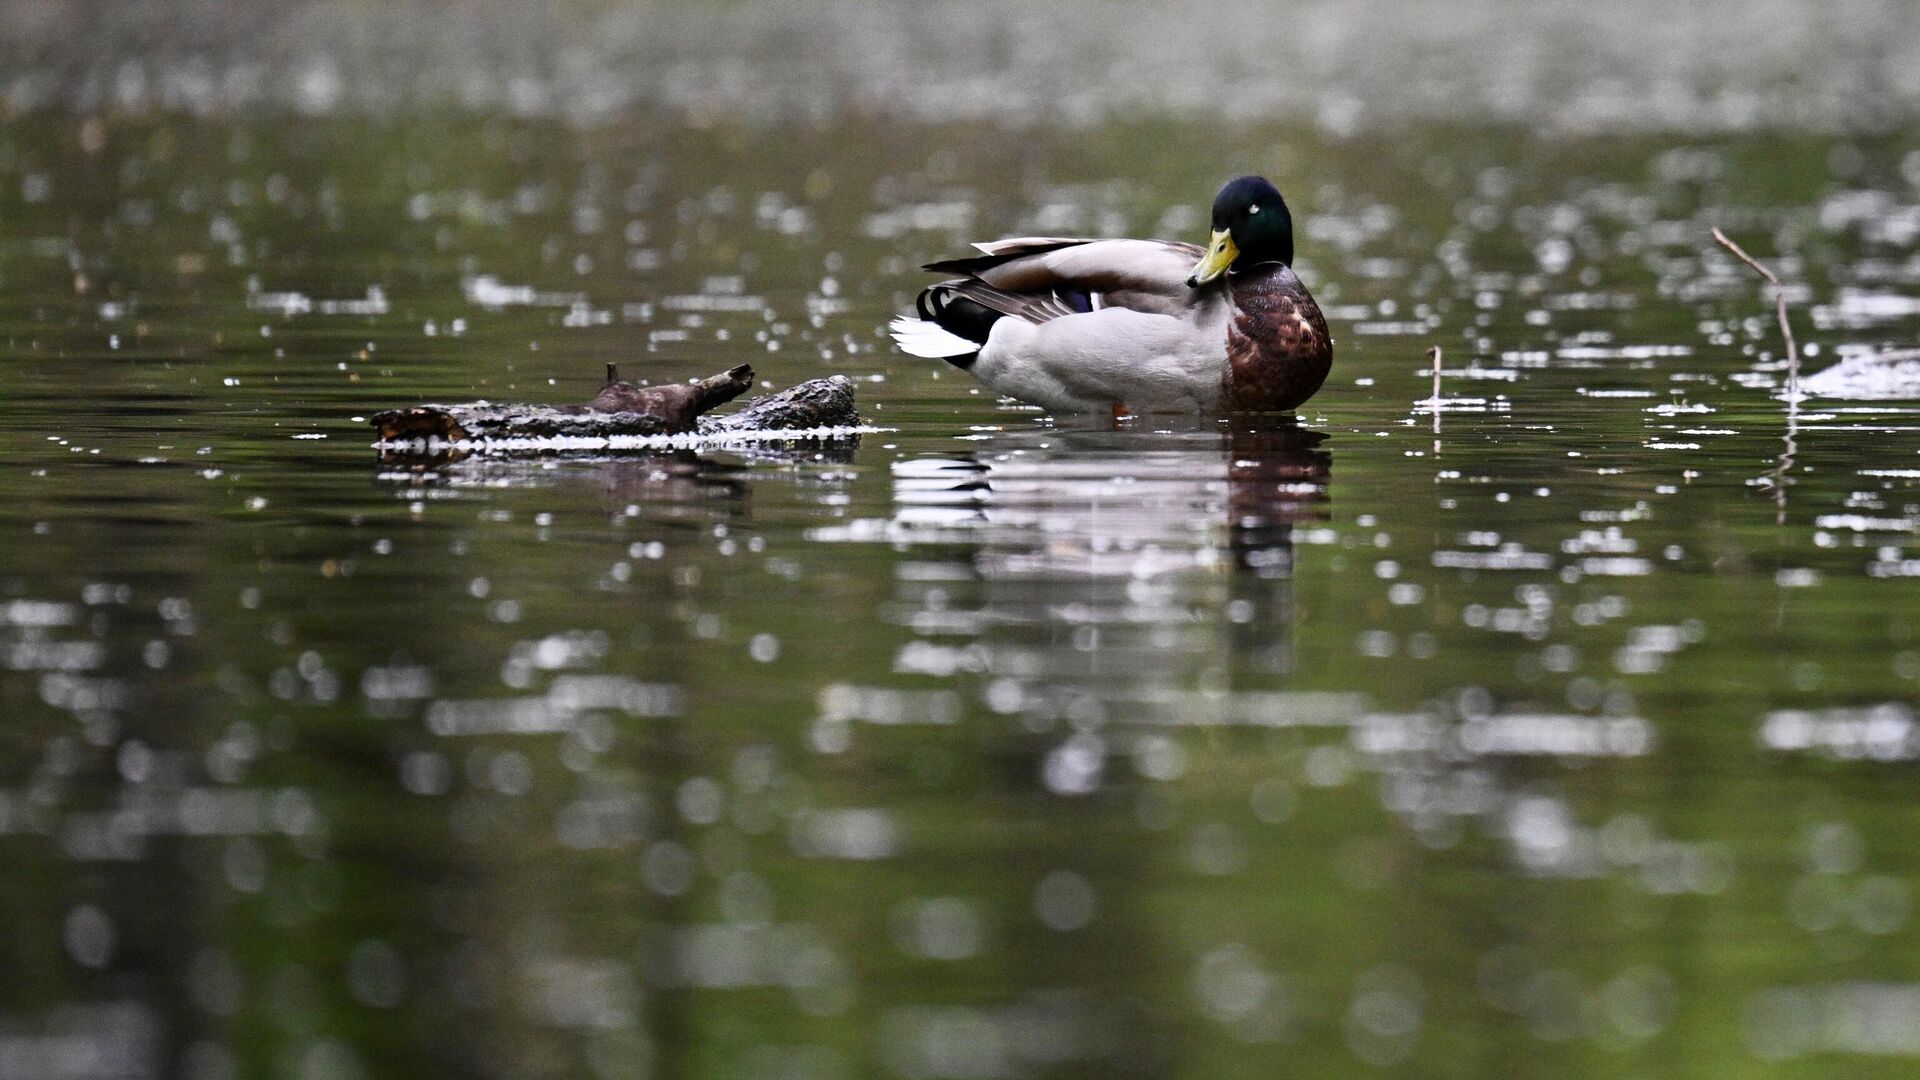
(1569, 736)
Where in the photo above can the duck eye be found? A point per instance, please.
(1252, 210)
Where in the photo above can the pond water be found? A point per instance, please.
(1567, 729)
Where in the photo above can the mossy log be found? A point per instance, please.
(624, 409)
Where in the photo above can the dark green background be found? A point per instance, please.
(1229, 678)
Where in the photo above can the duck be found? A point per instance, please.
(1082, 325)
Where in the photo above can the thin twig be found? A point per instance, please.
(1779, 476)
(1779, 308)
(1433, 358)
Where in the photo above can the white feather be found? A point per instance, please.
(918, 337)
(1020, 243)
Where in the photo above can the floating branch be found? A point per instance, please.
(618, 409)
(623, 409)
(815, 403)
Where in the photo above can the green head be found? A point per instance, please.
(1251, 225)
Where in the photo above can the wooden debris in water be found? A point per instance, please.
(1781, 474)
(1434, 359)
(620, 408)
(1780, 311)
(623, 409)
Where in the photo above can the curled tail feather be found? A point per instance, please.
(951, 327)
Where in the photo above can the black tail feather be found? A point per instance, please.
(957, 315)
(970, 320)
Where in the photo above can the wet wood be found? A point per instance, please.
(816, 403)
(620, 408)
(625, 409)
(1779, 309)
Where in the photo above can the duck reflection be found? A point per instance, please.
(1115, 567)
(1097, 589)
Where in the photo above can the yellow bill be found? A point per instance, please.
(1221, 252)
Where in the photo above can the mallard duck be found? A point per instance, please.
(1144, 325)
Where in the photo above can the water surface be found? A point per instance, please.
(1566, 732)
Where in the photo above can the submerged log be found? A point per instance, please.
(624, 409)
